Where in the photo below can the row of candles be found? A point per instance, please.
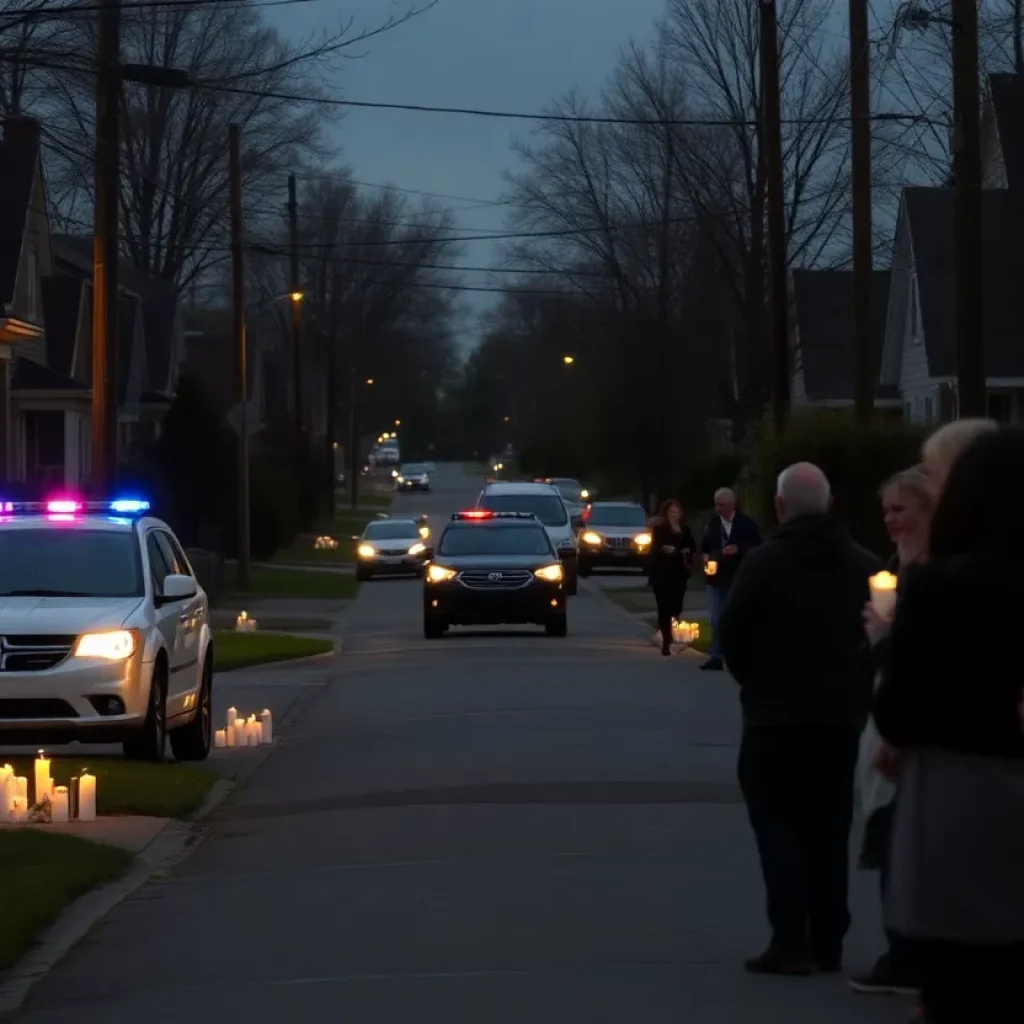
(243, 624)
(685, 632)
(63, 803)
(240, 731)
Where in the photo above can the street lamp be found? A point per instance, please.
(398, 423)
(369, 380)
(568, 360)
(296, 296)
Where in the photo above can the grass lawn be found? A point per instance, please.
(243, 650)
(133, 787)
(302, 552)
(42, 874)
(271, 582)
(376, 499)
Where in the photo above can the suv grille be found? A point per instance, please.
(495, 579)
(33, 652)
(620, 542)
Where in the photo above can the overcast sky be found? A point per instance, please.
(500, 54)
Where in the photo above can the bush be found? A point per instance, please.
(697, 490)
(856, 457)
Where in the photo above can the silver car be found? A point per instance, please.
(104, 631)
(615, 535)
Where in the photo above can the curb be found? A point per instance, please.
(172, 845)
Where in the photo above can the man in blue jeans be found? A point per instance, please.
(728, 537)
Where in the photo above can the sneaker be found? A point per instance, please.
(780, 961)
(713, 665)
(882, 980)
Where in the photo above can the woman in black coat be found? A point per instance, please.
(949, 703)
(671, 559)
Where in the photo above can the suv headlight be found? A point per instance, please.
(417, 549)
(642, 540)
(439, 574)
(550, 573)
(115, 645)
(591, 538)
(367, 551)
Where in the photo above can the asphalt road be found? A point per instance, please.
(491, 828)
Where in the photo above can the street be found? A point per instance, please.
(488, 828)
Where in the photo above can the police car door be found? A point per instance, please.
(172, 620)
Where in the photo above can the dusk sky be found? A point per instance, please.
(500, 54)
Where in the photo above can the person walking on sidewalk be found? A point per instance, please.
(791, 635)
(728, 538)
(671, 559)
(907, 503)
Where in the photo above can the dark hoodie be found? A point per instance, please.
(792, 627)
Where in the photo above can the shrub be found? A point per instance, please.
(698, 488)
(857, 458)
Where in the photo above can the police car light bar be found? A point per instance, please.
(70, 507)
(484, 513)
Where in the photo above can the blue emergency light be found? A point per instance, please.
(73, 507)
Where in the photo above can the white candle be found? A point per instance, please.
(240, 734)
(41, 767)
(250, 734)
(6, 797)
(87, 797)
(257, 728)
(229, 735)
(220, 738)
(232, 716)
(59, 810)
(883, 594)
(267, 719)
(21, 787)
(19, 809)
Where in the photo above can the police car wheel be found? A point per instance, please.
(151, 741)
(192, 742)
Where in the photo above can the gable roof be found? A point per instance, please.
(19, 164)
(62, 300)
(824, 320)
(32, 376)
(929, 214)
(1006, 93)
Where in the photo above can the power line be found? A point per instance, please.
(58, 13)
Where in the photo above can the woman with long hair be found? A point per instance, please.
(949, 702)
(907, 505)
(671, 559)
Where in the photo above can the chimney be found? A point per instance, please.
(21, 131)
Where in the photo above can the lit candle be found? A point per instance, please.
(42, 777)
(232, 715)
(86, 797)
(21, 787)
(250, 732)
(239, 731)
(267, 720)
(19, 809)
(710, 567)
(73, 791)
(883, 594)
(60, 804)
(257, 728)
(220, 738)
(6, 797)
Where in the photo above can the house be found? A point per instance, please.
(822, 338)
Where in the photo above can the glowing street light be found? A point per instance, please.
(369, 380)
(398, 423)
(568, 360)
(296, 296)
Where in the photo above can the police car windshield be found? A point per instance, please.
(616, 515)
(548, 508)
(391, 531)
(413, 469)
(69, 563)
(494, 539)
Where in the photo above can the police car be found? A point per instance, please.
(494, 568)
(104, 630)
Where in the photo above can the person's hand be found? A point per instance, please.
(876, 626)
(730, 549)
(888, 761)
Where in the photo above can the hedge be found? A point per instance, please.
(856, 457)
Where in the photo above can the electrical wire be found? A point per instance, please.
(48, 12)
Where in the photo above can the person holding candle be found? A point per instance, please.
(907, 504)
(671, 559)
(948, 701)
(728, 538)
(792, 638)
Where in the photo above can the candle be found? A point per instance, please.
(232, 716)
(6, 797)
(250, 732)
(220, 738)
(86, 797)
(41, 767)
(229, 735)
(21, 788)
(883, 594)
(710, 567)
(257, 728)
(267, 721)
(239, 732)
(19, 809)
(60, 808)
(73, 790)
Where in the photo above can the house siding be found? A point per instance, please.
(899, 291)
(35, 263)
(915, 383)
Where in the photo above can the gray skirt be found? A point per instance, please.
(957, 867)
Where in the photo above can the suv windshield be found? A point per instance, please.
(69, 563)
(571, 490)
(413, 469)
(548, 508)
(616, 515)
(480, 539)
(391, 531)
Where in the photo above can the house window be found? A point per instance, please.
(31, 286)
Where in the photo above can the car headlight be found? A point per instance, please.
(394, 472)
(117, 645)
(584, 494)
(439, 574)
(424, 532)
(400, 479)
(367, 551)
(642, 540)
(551, 573)
(592, 538)
(417, 549)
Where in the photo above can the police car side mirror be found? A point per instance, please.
(178, 588)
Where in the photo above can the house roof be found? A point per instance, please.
(1007, 98)
(929, 213)
(19, 163)
(62, 299)
(824, 319)
(32, 376)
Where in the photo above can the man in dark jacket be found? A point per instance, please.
(728, 538)
(792, 636)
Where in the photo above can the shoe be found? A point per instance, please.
(883, 980)
(780, 961)
(666, 651)
(713, 665)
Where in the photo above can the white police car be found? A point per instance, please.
(104, 630)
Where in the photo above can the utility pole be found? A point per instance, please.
(353, 436)
(967, 229)
(300, 422)
(863, 270)
(771, 140)
(239, 334)
(105, 252)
